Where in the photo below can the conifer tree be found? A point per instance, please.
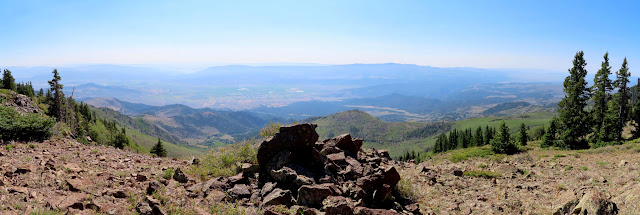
(502, 143)
(609, 126)
(573, 118)
(601, 89)
(550, 135)
(479, 139)
(437, 147)
(159, 150)
(488, 135)
(635, 113)
(622, 98)
(56, 87)
(8, 82)
(523, 135)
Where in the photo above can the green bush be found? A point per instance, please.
(224, 160)
(30, 127)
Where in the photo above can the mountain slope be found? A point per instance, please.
(397, 137)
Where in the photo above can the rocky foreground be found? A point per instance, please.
(297, 174)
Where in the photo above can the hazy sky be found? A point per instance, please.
(488, 34)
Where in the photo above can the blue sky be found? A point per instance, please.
(486, 34)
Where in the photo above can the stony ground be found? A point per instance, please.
(534, 182)
(62, 175)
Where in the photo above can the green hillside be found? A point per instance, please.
(146, 134)
(397, 137)
(530, 119)
(400, 137)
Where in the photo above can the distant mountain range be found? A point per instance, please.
(199, 127)
(246, 87)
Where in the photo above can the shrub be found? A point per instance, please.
(168, 173)
(29, 127)
(224, 160)
(271, 129)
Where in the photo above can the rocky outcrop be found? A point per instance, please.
(21, 103)
(332, 176)
(591, 202)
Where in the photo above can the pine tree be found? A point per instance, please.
(635, 113)
(479, 140)
(609, 126)
(437, 147)
(159, 150)
(58, 96)
(502, 143)
(550, 135)
(601, 89)
(622, 98)
(523, 135)
(8, 82)
(488, 135)
(573, 118)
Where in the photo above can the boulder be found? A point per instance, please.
(313, 195)
(248, 168)
(595, 202)
(72, 167)
(179, 176)
(334, 205)
(79, 184)
(239, 191)
(298, 139)
(629, 201)
(24, 168)
(278, 197)
(153, 186)
(391, 176)
(143, 208)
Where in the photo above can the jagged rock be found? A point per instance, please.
(118, 194)
(23, 190)
(73, 200)
(278, 197)
(237, 179)
(630, 199)
(72, 167)
(383, 195)
(391, 176)
(79, 184)
(248, 168)
(153, 186)
(179, 176)
(240, 191)
(595, 203)
(267, 188)
(337, 157)
(22, 169)
(143, 208)
(298, 139)
(384, 153)
(337, 205)
(141, 178)
(313, 195)
(155, 206)
(458, 173)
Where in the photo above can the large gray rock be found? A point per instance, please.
(595, 203)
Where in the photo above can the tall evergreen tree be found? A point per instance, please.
(488, 135)
(159, 150)
(502, 143)
(602, 86)
(635, 113)
(478, 138)
(550, 135)
(622, 98)
(437, 147)
(56, 87)
(573, 118)
(8, 82)
(609, 125)
(523, 135)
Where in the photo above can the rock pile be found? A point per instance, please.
(333, 176)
